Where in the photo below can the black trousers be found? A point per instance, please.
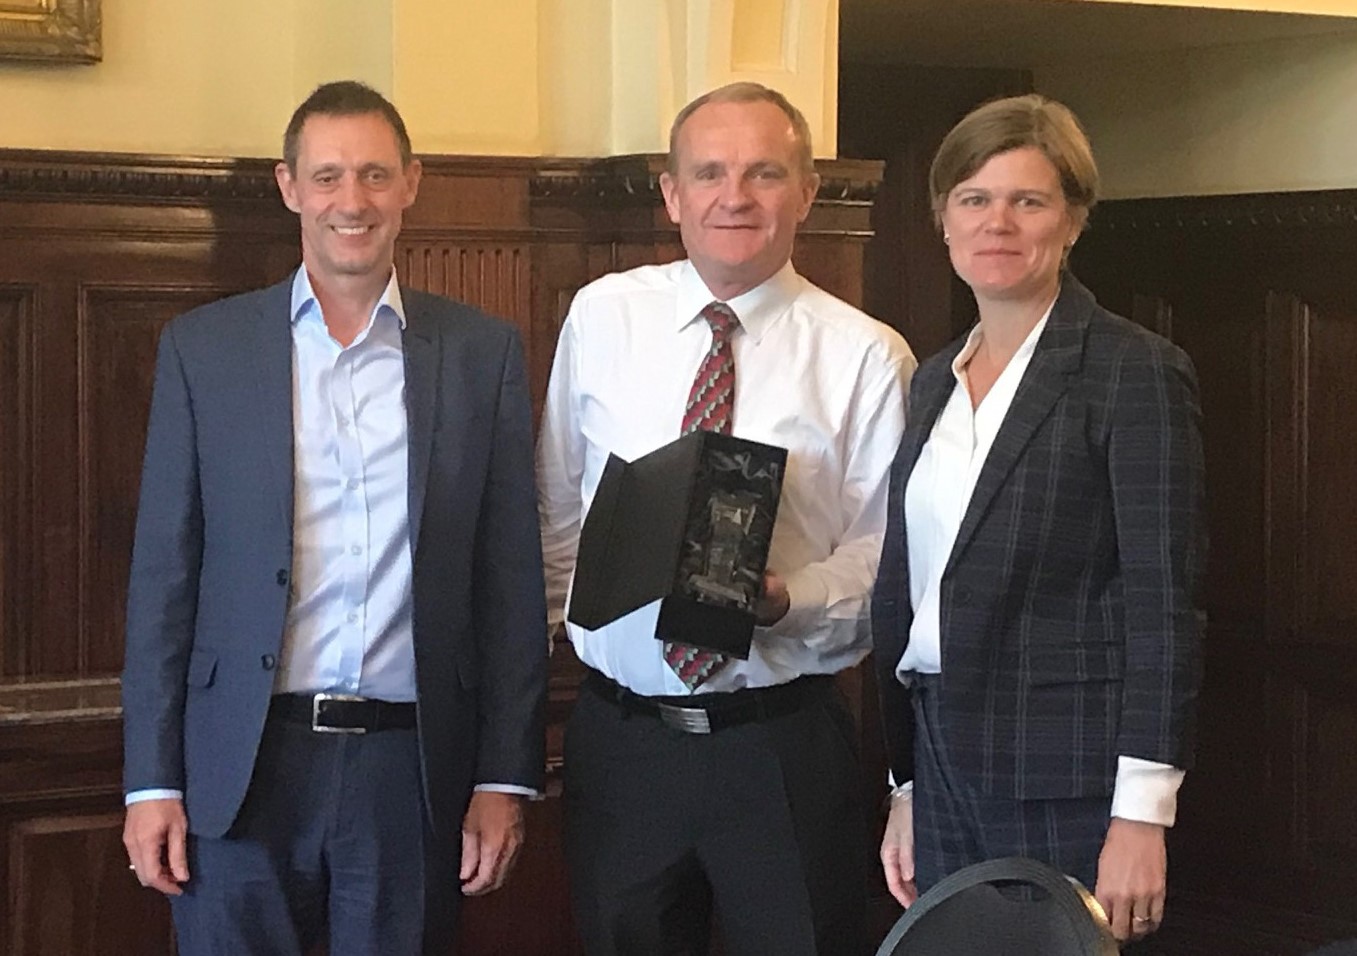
(332, 841)
(955, 825)
(760, 825)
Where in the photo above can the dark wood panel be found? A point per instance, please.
(1263, 858)
(1330, 464)
(72, 893)
(16, 450)
(117, 330)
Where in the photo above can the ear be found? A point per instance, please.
(287, 187)
(412, 174)
(669, 189)
(1078, 219)
(810, 185)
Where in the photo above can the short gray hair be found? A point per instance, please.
(745, 92)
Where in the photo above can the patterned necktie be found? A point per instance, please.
(710, 406)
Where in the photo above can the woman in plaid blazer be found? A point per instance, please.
(1036, 610)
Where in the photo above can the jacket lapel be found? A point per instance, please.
(926, 404)
(1058, 355)
(271, 339)
(932, 388)
(420, 344)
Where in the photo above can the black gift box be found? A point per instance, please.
(689, 523)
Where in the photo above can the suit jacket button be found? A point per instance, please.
(962, 595)
(282, 578)
(269, 662)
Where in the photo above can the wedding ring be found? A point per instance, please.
(132, 867)
(1141, 919)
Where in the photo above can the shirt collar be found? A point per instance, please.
(305, 303)
(756, 309)
(1024, 352)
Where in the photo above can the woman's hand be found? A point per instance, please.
(897, 850)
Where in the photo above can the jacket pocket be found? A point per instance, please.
(1075, 664)
(202, 668)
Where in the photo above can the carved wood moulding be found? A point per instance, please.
(1291, 211)
(635, 180)
(43, 174)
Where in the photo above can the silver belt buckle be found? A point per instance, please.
(320, 728)
(690, 720)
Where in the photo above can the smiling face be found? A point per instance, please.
(738, 193)
(1008, 227)
(349, 189)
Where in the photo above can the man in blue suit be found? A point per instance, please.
(336, 653)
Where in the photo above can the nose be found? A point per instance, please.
(999, 217)
(735, 192)
(351, 196)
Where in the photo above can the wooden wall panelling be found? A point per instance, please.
(1264, 856)
(71, 223)
(96, 254)
(72, 893)
(117, 331)
(17, 304)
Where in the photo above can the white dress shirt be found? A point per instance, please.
(813, 375)
(936, 498)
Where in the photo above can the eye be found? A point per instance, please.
(1031, 202)
(706, 174)
(974, 200)
(770, 173)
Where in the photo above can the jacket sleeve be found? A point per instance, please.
(162, 598)
(1157, 473)
(510, 610)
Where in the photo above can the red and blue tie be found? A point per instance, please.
(711, 404)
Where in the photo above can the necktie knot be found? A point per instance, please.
(721, 319)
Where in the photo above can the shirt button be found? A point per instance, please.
(353, 484)
(268, 661)
(353, 617)
(282, 578)
(356, 549)
(343, 422)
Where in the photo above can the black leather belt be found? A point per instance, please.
(708, 713)
(342, 713)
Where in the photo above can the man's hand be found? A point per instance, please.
(1132, 877)
(492, 834)
(897, 850)
(156, 836)
(774, 602)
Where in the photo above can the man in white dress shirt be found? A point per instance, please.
(758, 819)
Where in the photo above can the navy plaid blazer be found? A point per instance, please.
(1070, 602)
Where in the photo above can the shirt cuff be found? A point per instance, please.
(903, 790)
(513, 788)
(1146, 791)
(136, 796)
(806, 599)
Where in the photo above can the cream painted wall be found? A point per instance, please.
(466, 75)
(1259, 117)
(500, 77)
(182, 77)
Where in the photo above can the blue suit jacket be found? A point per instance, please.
(1069, 605)
(209, 583)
